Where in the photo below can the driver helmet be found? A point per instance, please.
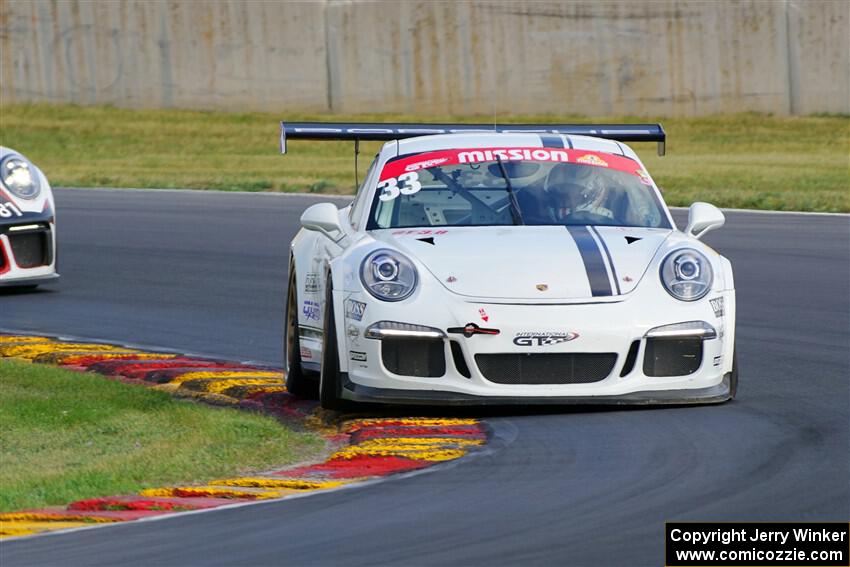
(569, 188)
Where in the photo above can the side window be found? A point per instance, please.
(360, 199)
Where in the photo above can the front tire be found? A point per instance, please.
(330, 386)
(298, 381)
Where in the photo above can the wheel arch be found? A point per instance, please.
(334, 279)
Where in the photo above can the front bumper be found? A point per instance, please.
(610, 328)
(711, 395)
(27, 252)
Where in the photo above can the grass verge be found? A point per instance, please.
(69, 435)
(745, 161)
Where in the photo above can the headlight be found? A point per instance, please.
(388, 275)
(19, 176)
(686, 274)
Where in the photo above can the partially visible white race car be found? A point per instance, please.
(507, 267)
(27, 223)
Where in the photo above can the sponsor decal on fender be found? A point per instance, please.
(483, 314)
(354, 309)
(357, 356)
(312, 283)
(717, 306)
(306, 353)
(353, 335)
(536, 338)
(312, 310)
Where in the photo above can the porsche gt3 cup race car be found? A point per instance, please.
(27, 223)
(515, 264)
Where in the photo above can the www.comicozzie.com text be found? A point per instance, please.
(743, 534)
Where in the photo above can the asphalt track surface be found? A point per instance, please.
(205, 272)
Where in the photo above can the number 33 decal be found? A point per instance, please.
(404, 184)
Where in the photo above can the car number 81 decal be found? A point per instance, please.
(8, 210)
(404, 184)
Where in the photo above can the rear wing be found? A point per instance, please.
(377, 131)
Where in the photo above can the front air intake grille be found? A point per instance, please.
(672, 357)
(459, 359)
(631, 358)
(554, 368)
(31, 248)
(425, 358)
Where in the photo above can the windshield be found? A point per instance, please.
(508, 186)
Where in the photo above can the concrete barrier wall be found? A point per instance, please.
(683, 57)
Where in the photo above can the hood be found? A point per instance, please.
(532, 262)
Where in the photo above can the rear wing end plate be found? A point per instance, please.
(379, 131)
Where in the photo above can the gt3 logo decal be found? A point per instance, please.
(532, 338)
(404, 184)
(354, 309)
(717, 306)
(9, 210)
(312, 310)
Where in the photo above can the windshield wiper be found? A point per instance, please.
(515, 212)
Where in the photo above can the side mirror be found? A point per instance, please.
(322, 217)
(703, 217)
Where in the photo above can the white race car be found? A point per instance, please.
(27, 223)
(518, 264)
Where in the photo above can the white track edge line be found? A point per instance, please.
(351, 197)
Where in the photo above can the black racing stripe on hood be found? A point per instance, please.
(594, 264)
(610, 260)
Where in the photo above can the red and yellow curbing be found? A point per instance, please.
(366, 448)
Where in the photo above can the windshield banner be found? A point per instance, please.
(402, 167)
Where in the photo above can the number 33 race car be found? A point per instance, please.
(515, 264)
(27, 223)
